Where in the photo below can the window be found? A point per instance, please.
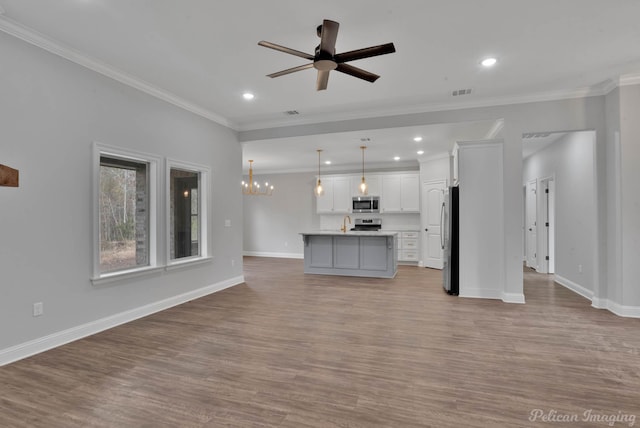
(124, 212)
(187, 210)
(124, 221)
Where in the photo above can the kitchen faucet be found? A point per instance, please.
(344, 223)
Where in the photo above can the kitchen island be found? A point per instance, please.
(368, 254)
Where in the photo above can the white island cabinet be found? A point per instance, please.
(370, 254)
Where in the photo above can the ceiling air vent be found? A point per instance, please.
(291, 112)
(536, 134)
(459, 92)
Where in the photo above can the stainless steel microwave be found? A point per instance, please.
(365, 204)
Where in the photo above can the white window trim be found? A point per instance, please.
(153, 162)
(204, 173)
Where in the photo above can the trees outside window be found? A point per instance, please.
(124, 214)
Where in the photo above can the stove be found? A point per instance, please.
(367, 224)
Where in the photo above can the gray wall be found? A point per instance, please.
(435, 169)
(272, 223)
(614, 226)
(630, 201)
(52, 110)
(571, 161)
(623, 200)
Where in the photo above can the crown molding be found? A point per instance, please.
(445, 155)
(351, 168)
(629, 79)
(425, 108)
(609, 85)
(495, 130)
(624, 80)
(35, 38)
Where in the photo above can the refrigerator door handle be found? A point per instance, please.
(442, 226)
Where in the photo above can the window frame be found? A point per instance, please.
(102, 150)
(204, 173)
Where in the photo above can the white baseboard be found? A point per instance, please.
(616, 308)
(513, 298)
(489, 293)
(60, 338)
(275, 255)
(623, 311)
(600, 303)
(576, 288)
(481, 293)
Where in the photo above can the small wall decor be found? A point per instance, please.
(8, 176)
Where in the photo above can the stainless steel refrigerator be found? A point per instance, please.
(450, 240)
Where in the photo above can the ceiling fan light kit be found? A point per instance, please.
(325, 59)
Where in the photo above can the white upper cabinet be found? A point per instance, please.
(391, 199)
(337, 195)
(400, 193)
(410, 193)
(373, 185)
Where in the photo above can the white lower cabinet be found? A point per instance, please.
(409, 246)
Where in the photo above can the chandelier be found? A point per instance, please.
(252, 188)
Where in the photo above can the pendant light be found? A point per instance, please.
(363, 184)
(252, 188)
(319, 191)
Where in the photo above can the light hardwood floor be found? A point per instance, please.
(289, 350)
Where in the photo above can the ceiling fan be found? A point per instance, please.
(326, 59)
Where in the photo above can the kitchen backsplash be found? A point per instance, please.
(389, 221)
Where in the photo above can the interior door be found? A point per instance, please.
(432, 199)
(531, 207)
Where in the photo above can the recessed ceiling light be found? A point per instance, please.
(489, 62)
(420, 152)
(396, 158)
(327, 162)
(417, 139)
(248, 96)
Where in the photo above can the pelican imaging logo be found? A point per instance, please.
(610, 419)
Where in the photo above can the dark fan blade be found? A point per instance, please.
(323, 80)
(290, 70)
(328, 38)
(365, 53)
(285, 50)
(357, 72)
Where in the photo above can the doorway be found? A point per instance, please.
(546, 238)
(432, 199)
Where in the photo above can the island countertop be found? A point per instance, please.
(350, 233)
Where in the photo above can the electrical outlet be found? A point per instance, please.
(579, 268)
(227, 223)
(233, 263)
(286, 244)
(38, 309)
